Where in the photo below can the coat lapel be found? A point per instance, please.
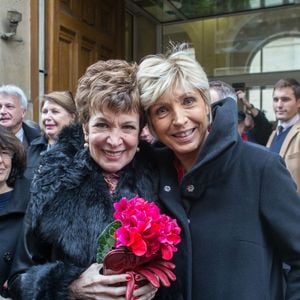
(294, 130)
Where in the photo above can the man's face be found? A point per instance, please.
(285, 104)
(11, 112)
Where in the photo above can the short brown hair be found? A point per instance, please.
(62, 98)
(291, 83)
(8, 141)
(108, 84)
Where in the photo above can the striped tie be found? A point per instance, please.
(279, 129)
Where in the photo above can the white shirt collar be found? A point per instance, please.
(290, 122)
(20, 134)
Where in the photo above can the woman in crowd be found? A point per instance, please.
(14, 195)
(58, 109)
(236, 202)
(75, 188)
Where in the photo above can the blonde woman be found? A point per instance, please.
(236, 202)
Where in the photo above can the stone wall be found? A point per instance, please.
(15, 54)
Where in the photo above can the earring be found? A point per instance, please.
(86, 145)
(137, 149)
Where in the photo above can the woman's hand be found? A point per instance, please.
(146, 292)
(91, 285)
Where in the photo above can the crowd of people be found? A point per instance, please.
(160, 130)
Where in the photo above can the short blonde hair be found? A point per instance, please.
(108, 84)
(159, 74)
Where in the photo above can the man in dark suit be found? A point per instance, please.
(13, 106)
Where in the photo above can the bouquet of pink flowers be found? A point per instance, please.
(140, 241)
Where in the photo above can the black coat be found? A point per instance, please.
(30, 133)
(261, 131)
(70, 207)
(240, 215)
(10, 226)
(34, 151)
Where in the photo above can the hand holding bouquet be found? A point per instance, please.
(140, 242)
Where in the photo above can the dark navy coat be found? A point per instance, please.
(240, 214)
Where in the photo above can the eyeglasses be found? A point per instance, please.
(6, 154)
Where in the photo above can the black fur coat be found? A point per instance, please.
(70, 206)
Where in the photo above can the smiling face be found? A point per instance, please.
(113, 138)
(180, 121)
(11, 112)
(285, 104)
(5, 167)
(54, 118)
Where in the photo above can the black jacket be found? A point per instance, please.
(70, 207)
(30, 133)
(10, 226)
(34, 151)
(261, 131)
(240, 215)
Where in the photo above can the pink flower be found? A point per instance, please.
(144, 230)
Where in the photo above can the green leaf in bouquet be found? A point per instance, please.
(106, 240)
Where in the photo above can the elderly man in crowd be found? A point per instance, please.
(13, 106)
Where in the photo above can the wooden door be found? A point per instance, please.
(78, 33)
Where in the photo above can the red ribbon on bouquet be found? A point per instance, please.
(156, 271)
